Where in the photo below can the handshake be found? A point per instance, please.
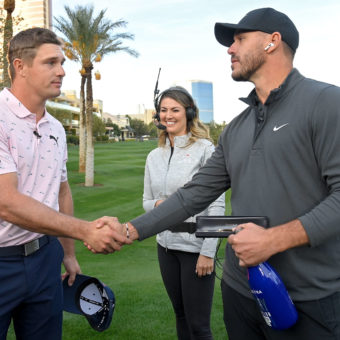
(107, 235)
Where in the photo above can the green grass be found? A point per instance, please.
(143, 310)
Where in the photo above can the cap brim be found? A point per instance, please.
(71, 293)
(224, 33)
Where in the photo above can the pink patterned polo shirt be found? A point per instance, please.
(37, 153)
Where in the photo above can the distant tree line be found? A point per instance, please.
(99, 129)
(215, 130)
(141, 129)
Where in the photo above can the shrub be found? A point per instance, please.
(104, 138)
(71, 139)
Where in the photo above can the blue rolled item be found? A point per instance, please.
(271, 295)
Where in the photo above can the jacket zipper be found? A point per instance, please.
(165, 186)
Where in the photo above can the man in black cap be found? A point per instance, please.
(281, 159)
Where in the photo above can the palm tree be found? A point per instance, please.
(88, 39)
(9, 6)
(6, 29)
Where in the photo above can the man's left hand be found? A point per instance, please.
(72, 269)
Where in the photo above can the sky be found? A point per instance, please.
(178, 36)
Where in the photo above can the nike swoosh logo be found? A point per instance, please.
(276, 128)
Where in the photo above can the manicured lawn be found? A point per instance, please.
(143, 309)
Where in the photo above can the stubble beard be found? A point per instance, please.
(249, 64)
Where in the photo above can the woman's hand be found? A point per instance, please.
(204, 266)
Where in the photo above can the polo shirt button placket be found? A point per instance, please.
(37, 135)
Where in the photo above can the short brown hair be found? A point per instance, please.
(24, 45)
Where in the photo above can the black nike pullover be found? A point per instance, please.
(281, 160)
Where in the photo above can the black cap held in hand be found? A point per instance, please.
(266, 20)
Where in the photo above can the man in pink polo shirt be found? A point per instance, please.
(35, 198)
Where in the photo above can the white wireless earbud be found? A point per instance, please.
(269, 46)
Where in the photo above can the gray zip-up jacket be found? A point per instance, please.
(165, 172)
(282, 160)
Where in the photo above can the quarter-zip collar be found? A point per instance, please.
(179, 141)
(260, 110)
(290, 82)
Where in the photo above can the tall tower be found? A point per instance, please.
(202, 92)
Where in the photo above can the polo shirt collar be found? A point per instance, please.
(18, 108)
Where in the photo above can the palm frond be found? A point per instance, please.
(90, 35)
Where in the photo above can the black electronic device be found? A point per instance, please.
(156, 117)
(223, 226)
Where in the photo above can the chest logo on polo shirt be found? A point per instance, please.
(276, 128)
(55, 139)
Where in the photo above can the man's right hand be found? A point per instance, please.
(106, 235)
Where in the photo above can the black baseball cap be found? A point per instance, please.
(266, 20)
(91, 298)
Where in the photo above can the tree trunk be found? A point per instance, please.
(82, 127)
(9, 6)
(89, 174)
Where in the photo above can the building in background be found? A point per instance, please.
(120, 120)
(68, 101)
(202, 92)
(35, 13)
(32, 13)
(146, 116)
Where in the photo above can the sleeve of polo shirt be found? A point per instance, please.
(322, 223)
(7, 163)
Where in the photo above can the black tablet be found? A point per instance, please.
(222, 226)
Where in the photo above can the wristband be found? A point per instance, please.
(127, 230)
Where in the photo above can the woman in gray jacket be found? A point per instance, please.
(186, 262)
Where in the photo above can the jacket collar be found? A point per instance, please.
(179, 141)
(292, 79)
